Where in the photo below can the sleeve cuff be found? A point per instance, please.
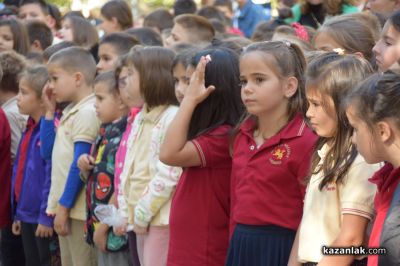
(46, 220)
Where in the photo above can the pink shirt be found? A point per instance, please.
(121, 152)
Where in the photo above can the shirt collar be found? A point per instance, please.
(154, 114)
(73, 108)
(295, 127)
(385, 177)
(10, 102)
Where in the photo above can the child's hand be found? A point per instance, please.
(61, 222)
(44, 231)
(121, 230)
(49, 101)
(140, 230)
(16, 228)
(100, 237)
(196, 91)
(86, 162)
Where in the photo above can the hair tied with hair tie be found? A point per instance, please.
(339, 51)
(300, 31)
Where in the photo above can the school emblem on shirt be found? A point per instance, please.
(279, 153)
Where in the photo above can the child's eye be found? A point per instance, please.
(259, 80)
(242, 83)
(176, 81)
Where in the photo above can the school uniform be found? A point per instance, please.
(199, 220)
(267, 192)
(29, 191)
(385, 232)
(78, 124)
(324, 209)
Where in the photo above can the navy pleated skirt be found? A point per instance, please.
(260, 246)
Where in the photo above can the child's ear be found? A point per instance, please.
(291, 87)
(384, 131)
(36, 46)
(115, 22)
(79, 79)
(359, 54)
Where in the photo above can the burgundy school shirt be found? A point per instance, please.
(199, 218)
(268, 182)
(5, 171)
(386, 180)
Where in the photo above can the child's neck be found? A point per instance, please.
(83, 92)
(5, 96)
(271, 123)
(393, 153)
(38, 114)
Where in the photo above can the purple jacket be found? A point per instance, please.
(32, 204)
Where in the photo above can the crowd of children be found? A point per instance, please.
(202, 137)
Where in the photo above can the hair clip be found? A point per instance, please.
(208, 58)
(300, 31)
(288, 44)
(339, 51)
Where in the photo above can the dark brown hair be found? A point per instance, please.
(201, 30)
(333, 77)
(20, 35)
(154, 66)
(12, 64)
(39, 31)
(289, 61)
(122, 42)
(84, 34)
(224, 106)
(120, 10)
(332, 7)
(377, 98)
(160, 18)
(55, 48)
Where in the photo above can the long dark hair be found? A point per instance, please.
(334, 76)
(377, 98)
(224, 105)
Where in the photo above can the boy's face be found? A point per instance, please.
(6, 39)
(108, 56)
(28, 100)
(32, 11)
(106, 104)
(63, 83)
(178, 35)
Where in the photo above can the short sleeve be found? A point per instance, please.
(213, 148)
(357, 193)
(85, 126)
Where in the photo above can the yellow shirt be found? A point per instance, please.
(149, 184)
(78, 123)
(323, 210)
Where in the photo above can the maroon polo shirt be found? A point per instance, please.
(199, 219)
(268, 182)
